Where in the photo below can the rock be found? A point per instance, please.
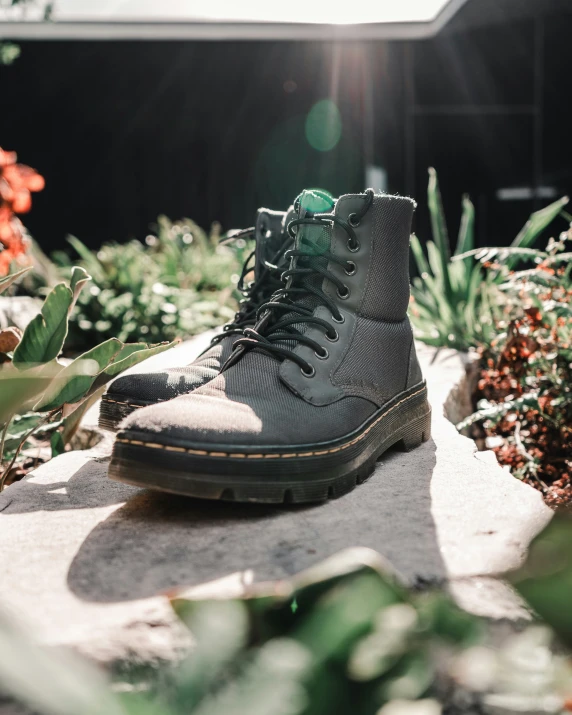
(18, 311)
(84, 559)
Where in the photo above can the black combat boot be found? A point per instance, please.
(131, 392)
(324, 384)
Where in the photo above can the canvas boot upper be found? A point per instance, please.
(131, 392)
(331, 349)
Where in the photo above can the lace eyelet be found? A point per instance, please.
(311, 373)
(324, 355)
(345, 295)
(339, 320)
(335, 338)
(353, 249)
(353, 220)
(351, 269)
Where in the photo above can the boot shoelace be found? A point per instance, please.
(267, 282)
(266, 334)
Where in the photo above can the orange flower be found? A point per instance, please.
(17, 181)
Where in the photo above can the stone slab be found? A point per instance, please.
(84, 558)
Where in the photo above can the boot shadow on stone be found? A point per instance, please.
(156, 542)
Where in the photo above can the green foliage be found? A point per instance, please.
(526, 383)
(41, 394)
(454, 303)
(526, 380)
(359, 643)
(7, 281)
(545, 580)
(178, 283)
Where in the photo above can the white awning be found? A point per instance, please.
(229, 19)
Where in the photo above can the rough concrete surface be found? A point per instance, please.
(85, 559)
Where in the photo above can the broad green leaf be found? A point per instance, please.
(439, 228)
(459, 276)
(79, 278)
(537, 222)
(19, 388)
(545, 580)
(436, 265)
(475, 284)
(73, 414)
(57, 444)
(443, 307)
(7, 281)
(75, 380)
(424, 298)
(220, 633)
(133, 359)
(418, 255)
(128, 350)
(44, 336)
(343, 615)
(466, 239)
(446, 621)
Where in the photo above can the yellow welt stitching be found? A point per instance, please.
(122, 402)
(269, 455)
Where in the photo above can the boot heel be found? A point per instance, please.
(415, 433)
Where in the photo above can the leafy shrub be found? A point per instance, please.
(42, 396)
(454, 303)
(180, 282)
(525, 388)
(343, 637)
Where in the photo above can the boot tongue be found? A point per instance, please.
(314, 239)
(310, 202)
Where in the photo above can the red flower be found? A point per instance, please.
(17, 181)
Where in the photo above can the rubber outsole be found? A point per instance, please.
(274, 474)
(113, 410)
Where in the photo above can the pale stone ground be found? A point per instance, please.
(84, 559)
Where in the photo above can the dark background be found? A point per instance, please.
(124, 131)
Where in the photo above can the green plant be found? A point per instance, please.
(525, 386)
(343, 637)
(41, 396)
(454, 303)
(180, 282)
(356, 642)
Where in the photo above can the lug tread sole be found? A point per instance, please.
(311, 475)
